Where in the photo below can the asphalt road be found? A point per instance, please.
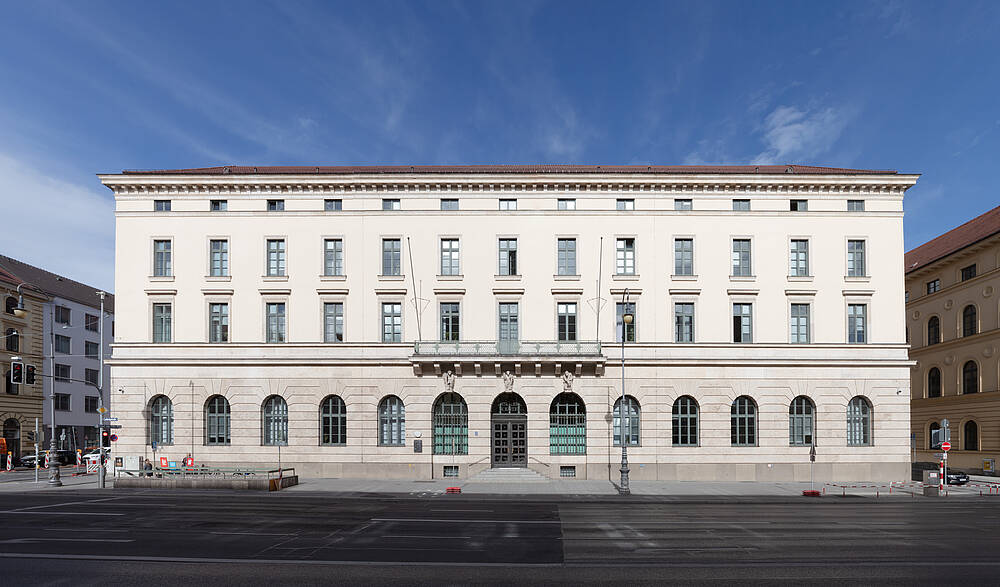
(152, 537)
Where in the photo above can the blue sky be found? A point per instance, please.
(89, 87)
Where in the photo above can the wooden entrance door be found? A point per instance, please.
(510, 442)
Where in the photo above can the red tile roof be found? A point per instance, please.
(513, 169)
(973, 231)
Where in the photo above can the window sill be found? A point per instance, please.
(161, 277)
(858, 278)
(742, 278)
(333, 278)
(625, 277)
(391, 277)
(566, 277)
(218, 278)
(507, 277)
(459, 277)
(274, 278)
(800, 278)
(684, 277)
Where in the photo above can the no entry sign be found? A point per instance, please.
(946, 446)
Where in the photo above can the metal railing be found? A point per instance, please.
(486, 348)
(206, 472)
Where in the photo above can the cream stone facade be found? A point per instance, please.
(953, 324)
(808, 259)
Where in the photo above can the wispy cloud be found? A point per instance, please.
(790, 133)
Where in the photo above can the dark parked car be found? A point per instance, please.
(65, 457)
(957, 477)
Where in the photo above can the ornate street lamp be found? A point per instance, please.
(627, 319)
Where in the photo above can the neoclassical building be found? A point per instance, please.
(434, 321)
(952, 313)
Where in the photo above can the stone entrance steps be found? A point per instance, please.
(508, 475)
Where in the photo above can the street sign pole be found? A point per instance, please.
(36, 450)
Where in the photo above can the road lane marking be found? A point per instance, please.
(55, 505)
(61, 513)
(74, 539)
(434, 537)
(457, 521)
(255, 533)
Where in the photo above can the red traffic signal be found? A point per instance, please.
(16, 372)
(29, 375)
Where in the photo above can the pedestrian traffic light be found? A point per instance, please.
(105, 438)
(16, 372)
(29, 375)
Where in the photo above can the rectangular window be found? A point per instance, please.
(450, 321)
(566, 321)
(90, 404)
(91, 323)
(857, 323)
(275, 314)
(333, 256)
(625, 256)
(508, 204)
(449, 204)
(218, 205)
(856, 258)
(798, 258)
(161, 205)
(798, 205)
(968, 272)
(855, 205)
(218, 322)
(566, 204)
(63, 372)
(275, 205)
(683, 256)
(162, 266)
(335, 205)
(625, 204)
(508, 324)
(684, 322)
(933, 286)
(390, 203)
(799, 324)
(566, 251)
(741, 205)
(682, 204)
(391, 256)
(63, 344)
(741, 258)
(275, 257)
(743, 323)
(219, 257)
(62, 402)
(90, 376)
(62, 315)
(450, 257)
(508, 256)
(392, 322)
(333, 322)
(451, 470)
(91, 349)
(620, 310)
(162, 322)
(568, 470)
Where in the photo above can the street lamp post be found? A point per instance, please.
(627, 318)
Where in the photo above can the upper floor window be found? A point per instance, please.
(625, 204)
(684, 322)
(798, 205)
(741, 258)
(161, 205)
(62, 402)
(855, 205)
(275, 205)
(450, 321)
(934, 382)
(968, 272)
(970, 377)
(218, 322)
(743, 323)
(162, 266)
(620, 310)
(857, 323)
(333, 322)
(683, 256)
(218, 205)
(334, 205)
(799, 323)
(392, 322)
(90, 404)
(933, 286)
(450, 257)
(508, 204)
(682, 204)
(566, 262)
(856, 259)
(219, 257)
(391, 256)
(276, 257)
(275, 318)
(741, 205)
(333, 256)
(90, 376)
(13, 340)
(970, 323)
(390, 203)
(91, 322)
(449, 204)
(62, 315)
(566, 321)
(508, 256)
(162, 322)
(92, 350)
(62, 344)
(798, 258)
(566, 204)
(933, 330)
(625, 256)
(63, 373)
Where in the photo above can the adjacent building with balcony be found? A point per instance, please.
(435, 321)
(952, 313)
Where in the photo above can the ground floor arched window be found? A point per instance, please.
(631, 421)
(567, 425)
(451, 425)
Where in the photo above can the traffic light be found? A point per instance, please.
(31, 436)
(16, 372)
(105, 438)
(29, 375)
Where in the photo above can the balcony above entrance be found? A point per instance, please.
(496, 356)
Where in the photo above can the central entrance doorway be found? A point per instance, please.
(509, 422)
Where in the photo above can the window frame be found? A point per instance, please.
(507, 264)
(736, 265)
(163, 258)
(567, 322)
(852, 257)
(276, 259)
(633, 421)
(219, 420)
(274, 424)
(567, 425)
(681, 259)
(802, 421)
(566, 259)
(852, 323)
(394, 258)
(279, 333)
(391, 421)
(220, 268)
(332, 421)
(679, 322)
(165, 320)
(395, 332)
(859, 422)
(338, 321)
(744, 422)
(625, 256)
(684, 425)
(450, 321)
(218, 322)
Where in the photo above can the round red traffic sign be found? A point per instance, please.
(946, 446)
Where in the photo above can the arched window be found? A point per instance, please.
(685, 421)
(859, 422)
(10, 304)
(800, 421)
(161, 420)
(13, 340)
(391, 422)
(11, 388)
(970, 437)
(970, 377)
(743, 422)
(451, 425)
(934, 382)
(933, 442)
(275, 421)
(567, 425)
(217, 421)
(631, 421)
(933, 330)
(970, 325)
(332, 421)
